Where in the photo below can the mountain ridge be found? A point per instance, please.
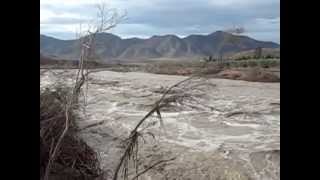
(110, 46)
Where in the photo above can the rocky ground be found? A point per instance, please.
(230, 131)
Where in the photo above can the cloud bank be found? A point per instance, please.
(260, 18)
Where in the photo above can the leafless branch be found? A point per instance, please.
(152, 166)
(135, 134)
(87, 41)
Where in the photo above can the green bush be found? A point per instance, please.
(243, 58)
(268, 63)
(264, 64)
(235, 64)
(269, 56)
(243, 64)
(273, 63)
(227, 64)
(252, 63)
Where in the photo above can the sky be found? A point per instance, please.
(145, 18)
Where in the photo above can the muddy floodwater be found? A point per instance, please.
(231, 131)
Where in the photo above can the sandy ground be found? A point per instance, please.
(232, 131)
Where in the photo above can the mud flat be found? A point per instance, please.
(232, 132)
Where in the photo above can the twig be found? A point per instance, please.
(92, 125)
(275, 104)
(82, 73)
(52, 157)
(152, 166)
(157, 106)
(234, 113)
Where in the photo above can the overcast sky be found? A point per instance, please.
(260, 18)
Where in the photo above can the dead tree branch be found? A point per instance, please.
(87, 42)
(152, 166)
(135, 134)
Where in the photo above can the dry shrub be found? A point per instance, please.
(260, 75)
(75, 159)
(184, 72)
(171, 68)
(213, 68)
(250, 74)
(231, 74)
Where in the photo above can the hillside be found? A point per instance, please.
(271, 52)
(109, 46)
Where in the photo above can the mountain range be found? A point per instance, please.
(111, 47)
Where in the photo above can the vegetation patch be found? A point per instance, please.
(74, 158)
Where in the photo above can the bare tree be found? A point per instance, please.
(258, 52)
(105, 21)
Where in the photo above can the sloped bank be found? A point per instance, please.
(74, 158)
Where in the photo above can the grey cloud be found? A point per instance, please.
(83, 10)
(265, 36)
(63, 20)
(62, 35)
(202, 14)
(186, 17)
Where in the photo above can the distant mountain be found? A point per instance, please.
(109, 46)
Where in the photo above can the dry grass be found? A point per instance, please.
(260, 75)
(229, 70)
(74, 159)
(249, 74)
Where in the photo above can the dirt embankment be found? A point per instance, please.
(251, 70)
(252, 74)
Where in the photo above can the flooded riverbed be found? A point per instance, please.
(230, 132)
